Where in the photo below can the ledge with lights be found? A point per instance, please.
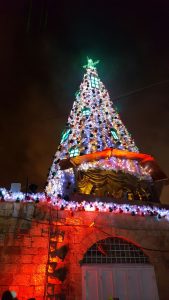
(88, 206)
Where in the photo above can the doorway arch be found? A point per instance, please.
(114, 250)
(114, 268)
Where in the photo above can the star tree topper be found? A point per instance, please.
(90, 63)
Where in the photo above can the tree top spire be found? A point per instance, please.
(90, 63)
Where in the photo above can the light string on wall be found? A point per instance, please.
(88, 206)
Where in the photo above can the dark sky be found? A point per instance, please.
(43, 48)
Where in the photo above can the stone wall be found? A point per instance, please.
(23, 251)
(41, 247)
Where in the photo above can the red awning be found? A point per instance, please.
(144, 159)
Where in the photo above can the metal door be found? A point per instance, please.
(119, 281)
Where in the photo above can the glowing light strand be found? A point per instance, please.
(117, 164)
(111, 207)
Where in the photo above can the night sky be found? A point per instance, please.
(43, 46)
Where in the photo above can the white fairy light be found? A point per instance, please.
(88, 206)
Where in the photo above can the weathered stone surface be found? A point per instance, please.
(24, 257)
(41, 268)
(7, 278)
(21, 279)
(12, 250)
(29, 210)
(37, 279)
(27, 241)
(24, 292)
(40, 259)
(40, 242)
(39, 291)
(5, 267)
(16, 209)
(28, 268)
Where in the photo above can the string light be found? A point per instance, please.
(116, 164)
(109, 207)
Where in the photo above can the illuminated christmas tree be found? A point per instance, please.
(97, 154)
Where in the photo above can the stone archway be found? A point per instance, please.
(114, 268)
(114, 250)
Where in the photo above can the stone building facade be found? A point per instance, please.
(42, 248)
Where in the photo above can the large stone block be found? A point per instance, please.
(42, 250)
(41, 212)
(13, 250)
(25, 292)
(37, 279)
(24, 227)
(6, 209)
(28, 268)
(6, 278)
(21, 279)
(39, 291)
(30, 251)
(41, 259)
(12, 227)
(2, 239)
(10, 240)
(36, 230)
(40, 242)
(6, 267)
(16, 209)
(26, 259)
(29, 210)
(41, 268)
(27, 241)
(10, 259)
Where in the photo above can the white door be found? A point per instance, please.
(119, 281)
